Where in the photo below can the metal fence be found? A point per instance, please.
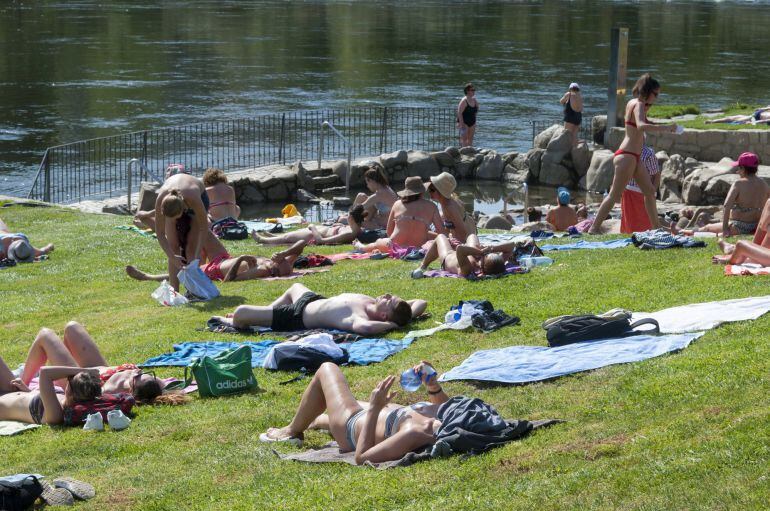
(584, 133)
(97, 168)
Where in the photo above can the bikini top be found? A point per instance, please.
(632, 121)
(394, 418)
(413, 217)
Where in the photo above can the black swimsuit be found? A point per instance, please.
(571, 116)
(469, 114)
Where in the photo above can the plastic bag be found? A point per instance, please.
(196, 282)
(166, 295)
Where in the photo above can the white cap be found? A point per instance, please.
(574, 85)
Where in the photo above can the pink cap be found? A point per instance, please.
(747, 160)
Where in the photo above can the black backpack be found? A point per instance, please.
(229, 228)
(571, 329)
(21, 495)
(293, 357)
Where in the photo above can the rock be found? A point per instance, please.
(444, 158)
(285, 174)
(520, 162)
(544, 137)
(303, 195)
(533, 158)
(491, 167)
(601, 171)
(671, 177)
(390, 160)
(304, 179)
(614, 136)
(464, 168)
(717, 187)
(581, 158)
(342, 202)
(453, 151)
(554, 173)
(598, 127)
(251, 194)
(512, 174)
(420, 163)
(277, 192)
(495, 222)
(340, 169)
(693, 187)
(477, 159)
(560, 144)
(266, 181)
(148, 194)
(468, 150)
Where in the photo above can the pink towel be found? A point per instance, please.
(746, 269)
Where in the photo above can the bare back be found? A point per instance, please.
(222, 197)
(752, 193)
(410, 223)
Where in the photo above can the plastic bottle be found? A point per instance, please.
(529, 261)
(411, 380)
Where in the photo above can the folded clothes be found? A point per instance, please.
(659, 239)
(747, 269)
(590, 245)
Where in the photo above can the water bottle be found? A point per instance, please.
(411, 380)
(529, 261)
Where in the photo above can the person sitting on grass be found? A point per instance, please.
(760, 116)
(300, 309)
(458, 222)
(336, 234)
(562, 216)
(377, 430)
(467, 260)
(410, 220)
(379, 203)
(16, 246)
(219, 265)
(78, 350)
(743, 204)
(221, 195)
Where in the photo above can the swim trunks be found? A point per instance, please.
(288, 318)
(213, 269)
(36, 408)
(744, 227)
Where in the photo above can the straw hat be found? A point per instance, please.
(445, 183)
(21, 252)
(412, 186)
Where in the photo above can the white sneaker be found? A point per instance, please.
(94, 422)
(117, 420)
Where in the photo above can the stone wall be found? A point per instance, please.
(703, 145)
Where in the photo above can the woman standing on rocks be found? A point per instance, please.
(466, 115)
(573, 110)
(627, 158)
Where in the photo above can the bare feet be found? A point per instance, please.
(725, 247)
(256, 237)
(47, 249)
(721, 259)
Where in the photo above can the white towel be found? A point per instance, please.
(705, 316)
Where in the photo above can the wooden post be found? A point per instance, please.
(616, 92)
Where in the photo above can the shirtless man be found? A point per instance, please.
(299, 309)
(219, 265)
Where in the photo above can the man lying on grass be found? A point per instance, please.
(299, 309)
(218, 264)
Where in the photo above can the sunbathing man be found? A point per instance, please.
(467, 260)
(16, 246)
(299, 309)
(760, 116)
(221, 266)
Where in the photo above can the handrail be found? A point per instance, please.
(129, 175)
(347, 144)
(43, 163)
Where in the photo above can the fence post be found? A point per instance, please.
(47, 164)
(281, 152)
(383, 130)
(144, 152)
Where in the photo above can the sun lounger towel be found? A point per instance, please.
(254, 225)
(660, 238)
(330, 453)
(147, 233)
(705, 316)
(490, 239)
(590, 245)
(361, 352)
(524, 364)
(509, 270)
(10, 428)
(746, 269)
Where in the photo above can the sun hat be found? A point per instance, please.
(444, 183)
(563, 195)
(574, 85)
(412, 186)
(21, 251)
(747, 160)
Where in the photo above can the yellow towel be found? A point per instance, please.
(289, 210)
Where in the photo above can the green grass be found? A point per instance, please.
(669, 111)
(683, 431)
(731, 109)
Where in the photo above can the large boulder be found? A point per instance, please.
(516, 175)
(560, 144)
(554, 173)
(390, 160)
(464, 167)
(340, 169)
(598, 127)
(468, 150)
(694, 184)
(509, 157)
(532, 159)
(491, 167)
(601, 171)
(444, 159)
(495, 222)
(453, 152)
(671, 178)
(304, 178)
(544, 137)
(581, 158)
(148, 194)
(420, 163)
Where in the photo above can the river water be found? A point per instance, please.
(71, 70)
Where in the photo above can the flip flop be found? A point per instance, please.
(291, 440)
(56, 496)
(78, 489)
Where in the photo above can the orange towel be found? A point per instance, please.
(633, 216)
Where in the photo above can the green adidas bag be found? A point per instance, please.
(227, 373)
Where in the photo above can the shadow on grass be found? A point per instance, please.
(217, 303)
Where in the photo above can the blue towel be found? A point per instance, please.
(591, 245)
(524, 364)
(361, 352)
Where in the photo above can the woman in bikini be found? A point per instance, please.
(181, 221)
(410, 220)
(743, 204)
(16, 246)
(221, 195)
(379, 203)
(466, 115)
(457, 221)
(336, 234)
(377, 430)
(78, 350)
(626, 161)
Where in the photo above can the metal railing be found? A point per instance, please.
(97, 168)
(327, 124)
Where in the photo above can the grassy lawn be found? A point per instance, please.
(685, 431)
(699, 123)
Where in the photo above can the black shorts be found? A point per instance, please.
(288, 318)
